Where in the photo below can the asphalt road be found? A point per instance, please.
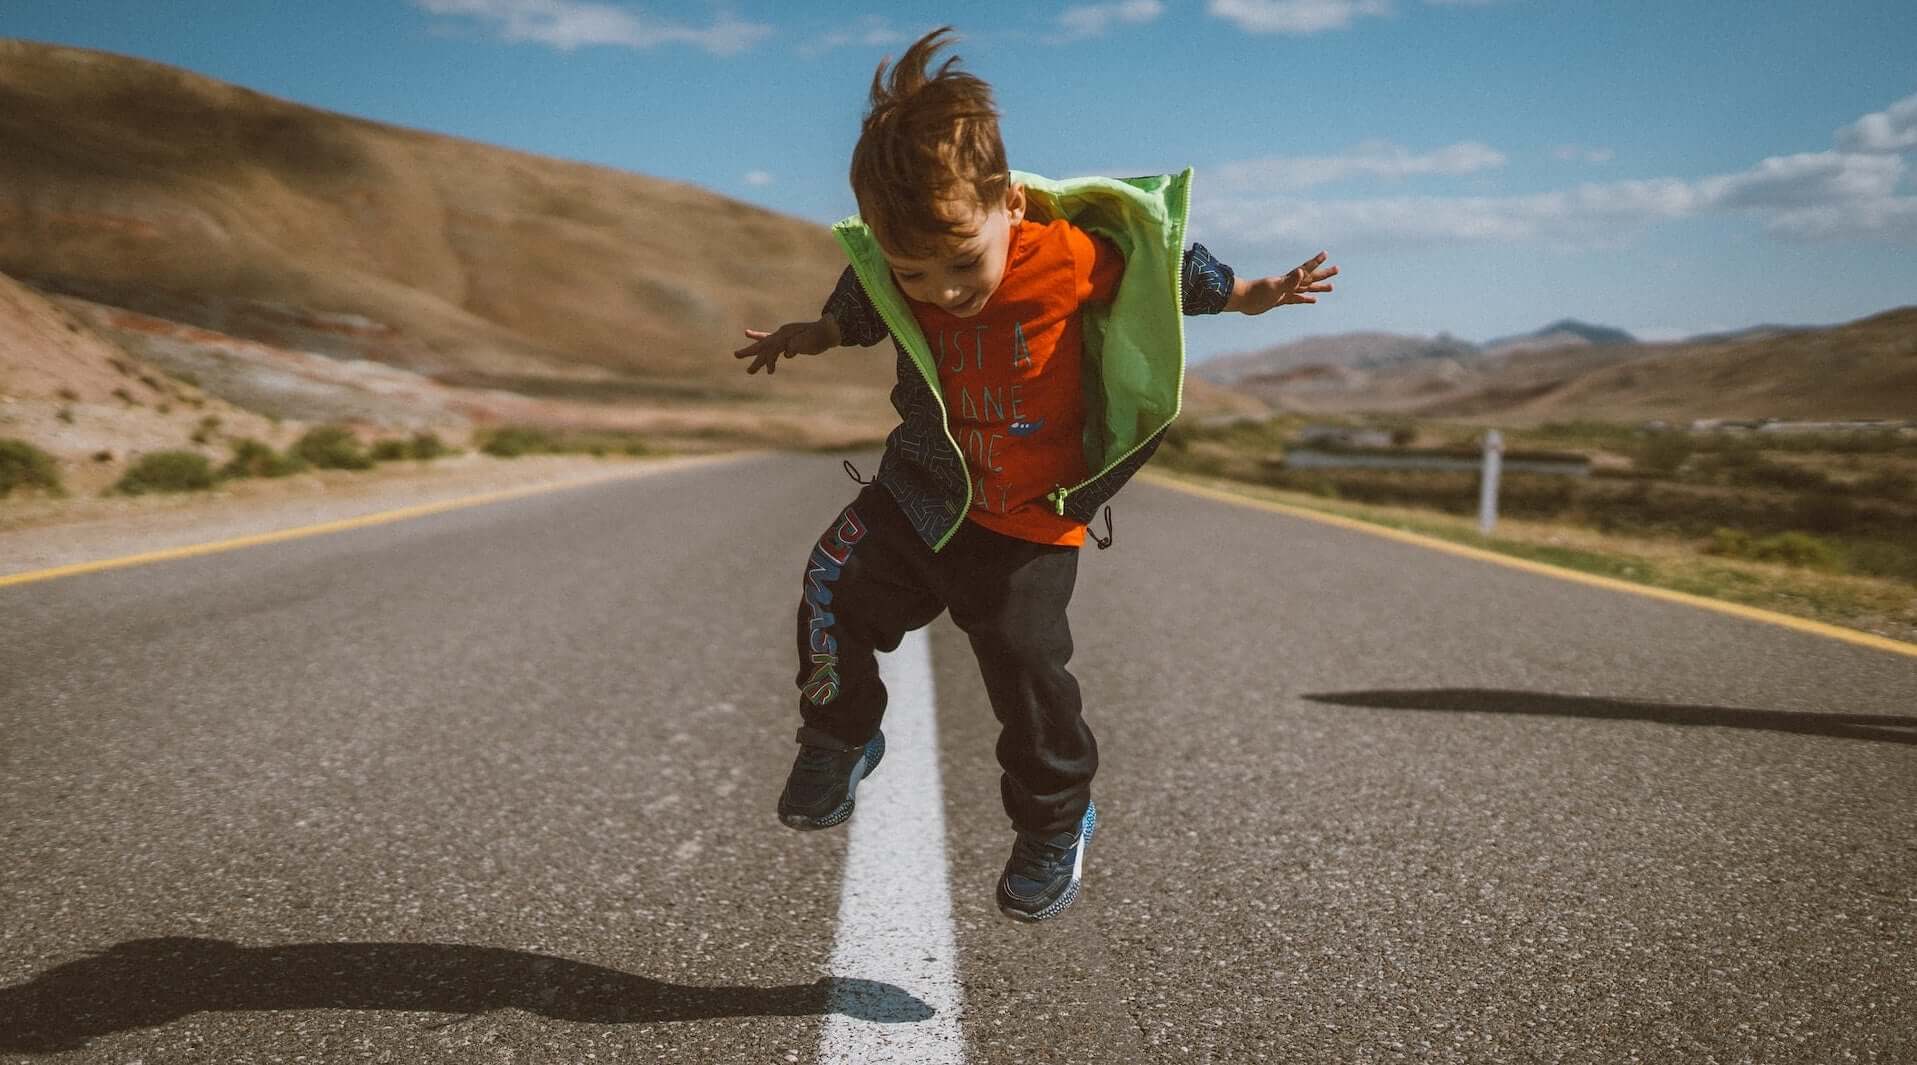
(496, 785)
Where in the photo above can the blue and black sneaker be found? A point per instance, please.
(1042, 877)
(825, 778)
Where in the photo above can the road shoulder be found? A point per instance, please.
(42, 534)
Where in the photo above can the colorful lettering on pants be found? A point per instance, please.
(827, 562)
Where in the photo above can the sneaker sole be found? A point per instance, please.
(874, 752)
(1071, 890)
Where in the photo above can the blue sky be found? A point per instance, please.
(1474, 166)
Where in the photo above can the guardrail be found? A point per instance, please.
(1490, 463)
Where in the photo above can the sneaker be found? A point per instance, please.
(825, 777)
(1042, 877)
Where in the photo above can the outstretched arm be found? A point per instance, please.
(792, 338)
(847, 318)
(1257, 297)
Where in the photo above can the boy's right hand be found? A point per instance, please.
(792, 338)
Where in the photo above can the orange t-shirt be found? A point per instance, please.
(1011, 381)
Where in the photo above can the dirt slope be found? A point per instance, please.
(142, 186)
(84, 400)
(1861, 370)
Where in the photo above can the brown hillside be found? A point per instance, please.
(142, 186)
(1864, 369)
(75, 395)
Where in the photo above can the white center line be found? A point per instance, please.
(895, 912)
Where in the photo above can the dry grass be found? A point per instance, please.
(1880, 606)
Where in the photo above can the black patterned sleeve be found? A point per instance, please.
(1207, 282)
(859, 321)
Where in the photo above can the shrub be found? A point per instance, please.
(390, 450)
(1795, 549)
(1663, 452)
(24, 466)
(1766, 473)
(600, 445)
(516, 440)
(332, 447)
(254, 459)
(1729, 543)
(428, 446)
(1883, 558)
(167, 471)
(1790, 548)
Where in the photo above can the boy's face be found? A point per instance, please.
(965, 267)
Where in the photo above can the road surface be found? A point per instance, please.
(497, 785)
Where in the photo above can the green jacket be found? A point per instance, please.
(1134, 364)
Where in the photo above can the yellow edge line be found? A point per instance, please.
(1751, 613)
(344, 524)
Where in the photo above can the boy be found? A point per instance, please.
(1041, 358)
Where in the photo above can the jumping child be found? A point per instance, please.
(1041, 359)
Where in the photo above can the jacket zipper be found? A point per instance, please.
(891, 322)
(1178, 302)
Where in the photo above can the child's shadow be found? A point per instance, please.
(148, 982)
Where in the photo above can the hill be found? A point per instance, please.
(90, 405)
(1865, 369)
(1561, 334)
(1360, 350)
(148, 188)
(1861, 370)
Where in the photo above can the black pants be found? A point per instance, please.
(870, 580)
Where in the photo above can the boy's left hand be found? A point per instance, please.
(1257, 297)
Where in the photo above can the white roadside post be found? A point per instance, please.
(1488, 484)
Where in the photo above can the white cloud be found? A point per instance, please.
(570, 24)
(1584, 216)
(1800, 197)
(1578, 153)
(1295, 17)
(1371, 158)
(1301, 17)
(1092, 20)
(1892, 218)
(1852, 193)
(758, 178)
(1893, 129)
(1808, 180)
(870, 31)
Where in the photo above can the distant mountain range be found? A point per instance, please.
(1572, 369)
(1563, 333)
(1375, 350)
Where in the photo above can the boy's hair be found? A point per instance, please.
(927, 140)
